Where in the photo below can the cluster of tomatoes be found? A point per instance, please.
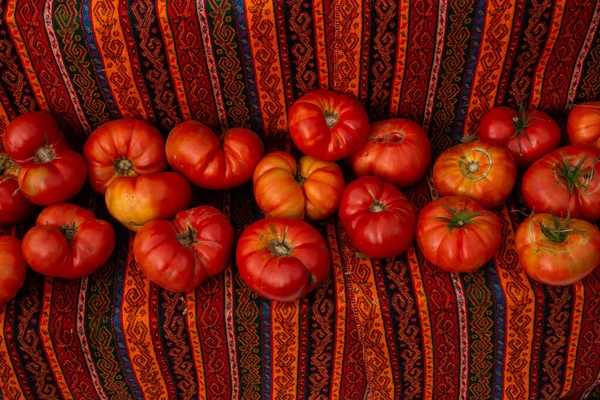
(282, 256)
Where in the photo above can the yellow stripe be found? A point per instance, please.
(320, 45)
(579, 296)
(285, 319)
(348, 29)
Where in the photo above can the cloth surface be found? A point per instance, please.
(377, 329)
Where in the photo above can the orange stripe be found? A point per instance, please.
(348, 29)
(9, 386)
(190, 317)
(579, 296)
(401, 45)
(538, 77)
(285, 327)
(321, 48)
(4, 121)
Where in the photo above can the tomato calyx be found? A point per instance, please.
(378, 206)
(575, 175)
(558, 232)
(299, 177)
(459, 218)
(188, 237)
(123, 166)
(521, 122)
(331, 118)
(44, 155)
(69, 231)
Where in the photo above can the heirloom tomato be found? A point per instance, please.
(13, 269)
(158, 195)
(583, 124)
(308, 189)
(483, 171)
(282, 259)
(123, 147)
(210, 161)
(528, 134)
(327, 125)
(398, 151)
(377, 217)
(557, 251)
(68, 241)
(566, 181)
(179, 255)
(14, 207)
(50, 171)
(457, 234)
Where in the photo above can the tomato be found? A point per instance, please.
(210, 161)
(14, 207)
(398, 151)
(50, 171)
(179, 255)
(583, 124)
(529, 134)
(13, 269)
(565, 181)
(483, 171)
(68, 241)
(136, 201)
(377, 217)
(309, 189)
(457, 234)
(123, 147)
(327, 125)
(557, 251)
(282, 259)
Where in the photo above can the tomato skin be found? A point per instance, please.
(68, 242)
(211, 162)
(309, 189)
(14, 207)
(282, 259)
(583, 124)
(123, 147)
(555, 263)
(528, 134)
(179, 255)
(13, 269)
(385, 231)
(398, 151)
(136, 201)
(494, 176)
(347, 129)
(463, 248)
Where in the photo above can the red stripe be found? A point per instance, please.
(159, 351)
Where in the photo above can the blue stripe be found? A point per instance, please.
(267, 348)
(500, 327)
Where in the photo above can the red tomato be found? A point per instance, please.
(457, 234)
(565, 181)
(68, 241)
(583, 124)
(483, 171)
(213, 162)
(557, 251)
(13, 269)
(309, 189)
(50, 171)
(377, 217)
(282, 259)
(179, 255)
(398, 151)
(529, 134)
(123, 147)
(327, 125)
(14, 207)
(136, 201)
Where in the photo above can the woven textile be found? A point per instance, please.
(377, 329)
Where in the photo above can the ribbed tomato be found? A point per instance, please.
(309, 189)
(14, 207)
(179, 255)
(13, 269)
(583, 124)
(210, 161)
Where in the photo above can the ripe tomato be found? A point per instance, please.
(398, 151)
(308, 189)
(583, 124)
(123, 147)
(136, 201)
(14, 207)
(483, 171)
(557, 251)
(282, 259)
(529, 134)
(179, 255)
(377, 217)
(565, 181)
(213, 162)
(68, 241)
(50, 171)
(13, 269)
(327, 125)
(457, 234)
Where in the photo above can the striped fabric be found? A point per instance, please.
(378, 329)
